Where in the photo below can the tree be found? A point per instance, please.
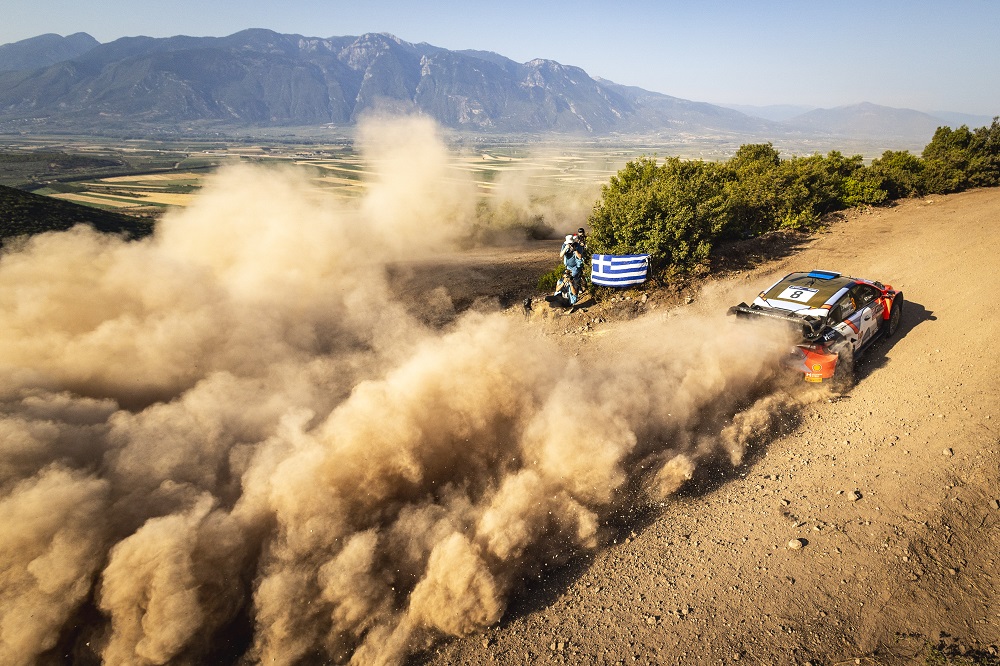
(752, 191)
(984, 159)
(899, 173)
(812, 186)
(946, 160)
(672, 212)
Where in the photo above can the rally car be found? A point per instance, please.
(838, 316)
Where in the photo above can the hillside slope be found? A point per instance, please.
(44, 50)
(907, 573)
(260, 77)
(23, 213)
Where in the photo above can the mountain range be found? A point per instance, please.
(44, 50)
(263, 78)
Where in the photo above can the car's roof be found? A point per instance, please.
(806, 290)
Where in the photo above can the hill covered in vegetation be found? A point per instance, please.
(677, 210)
(26, 214)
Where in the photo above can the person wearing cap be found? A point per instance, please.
(572, 257)
(581, 239)
(566, 246)
(566, 292)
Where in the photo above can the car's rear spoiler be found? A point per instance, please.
(811, 326)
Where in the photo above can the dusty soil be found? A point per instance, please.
(892, 488)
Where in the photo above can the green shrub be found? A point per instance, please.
(984, 160)
(671, 212)
(677, 210)
(547, 282)
(946, 160)
(864, 189)
(899, 173)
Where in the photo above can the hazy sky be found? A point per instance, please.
(932, 55)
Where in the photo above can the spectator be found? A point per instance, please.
(572, 258)
(566, 292)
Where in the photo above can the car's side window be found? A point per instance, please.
(864, 294)
(844, 308)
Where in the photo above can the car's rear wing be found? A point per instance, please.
(812, 326)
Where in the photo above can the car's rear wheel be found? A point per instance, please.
(895, 315)
(843, 372)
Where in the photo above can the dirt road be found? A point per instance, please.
(892, 489)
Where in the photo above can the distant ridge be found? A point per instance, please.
(773, 112)
(262, 78)
(44, 50)
(867, 120)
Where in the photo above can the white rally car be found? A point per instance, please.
(839, 317)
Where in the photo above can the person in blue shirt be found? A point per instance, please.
(572, 258)
(566, 293)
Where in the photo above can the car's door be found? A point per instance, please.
(846, 311)
(869, 312)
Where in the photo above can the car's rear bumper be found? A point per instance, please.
(815, 366)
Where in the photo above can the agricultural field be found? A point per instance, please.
(147, 178)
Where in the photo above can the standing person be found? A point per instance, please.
(566, 293)
(581, 244)
(572, 258)
(567, 246)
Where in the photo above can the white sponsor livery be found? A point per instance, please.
(798, 294)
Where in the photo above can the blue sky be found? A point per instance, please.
(941, 55)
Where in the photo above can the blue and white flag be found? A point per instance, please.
(619, 270)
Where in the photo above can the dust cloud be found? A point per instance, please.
(230, 442)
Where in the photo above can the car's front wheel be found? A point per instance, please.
(895, 315)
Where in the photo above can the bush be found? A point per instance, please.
(899, 173)
(672, 212)
(752, 191)
(864, 189)
(946, 160)
(984, 160)
(547, 282)
(676, 211)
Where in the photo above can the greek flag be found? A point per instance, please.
(619, 270)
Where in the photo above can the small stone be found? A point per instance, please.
(948, 452)
(853, 496)
(486, 642)
(785, 502)
(795, 544)
(650, 619)
(953, 571)
(995, 504)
